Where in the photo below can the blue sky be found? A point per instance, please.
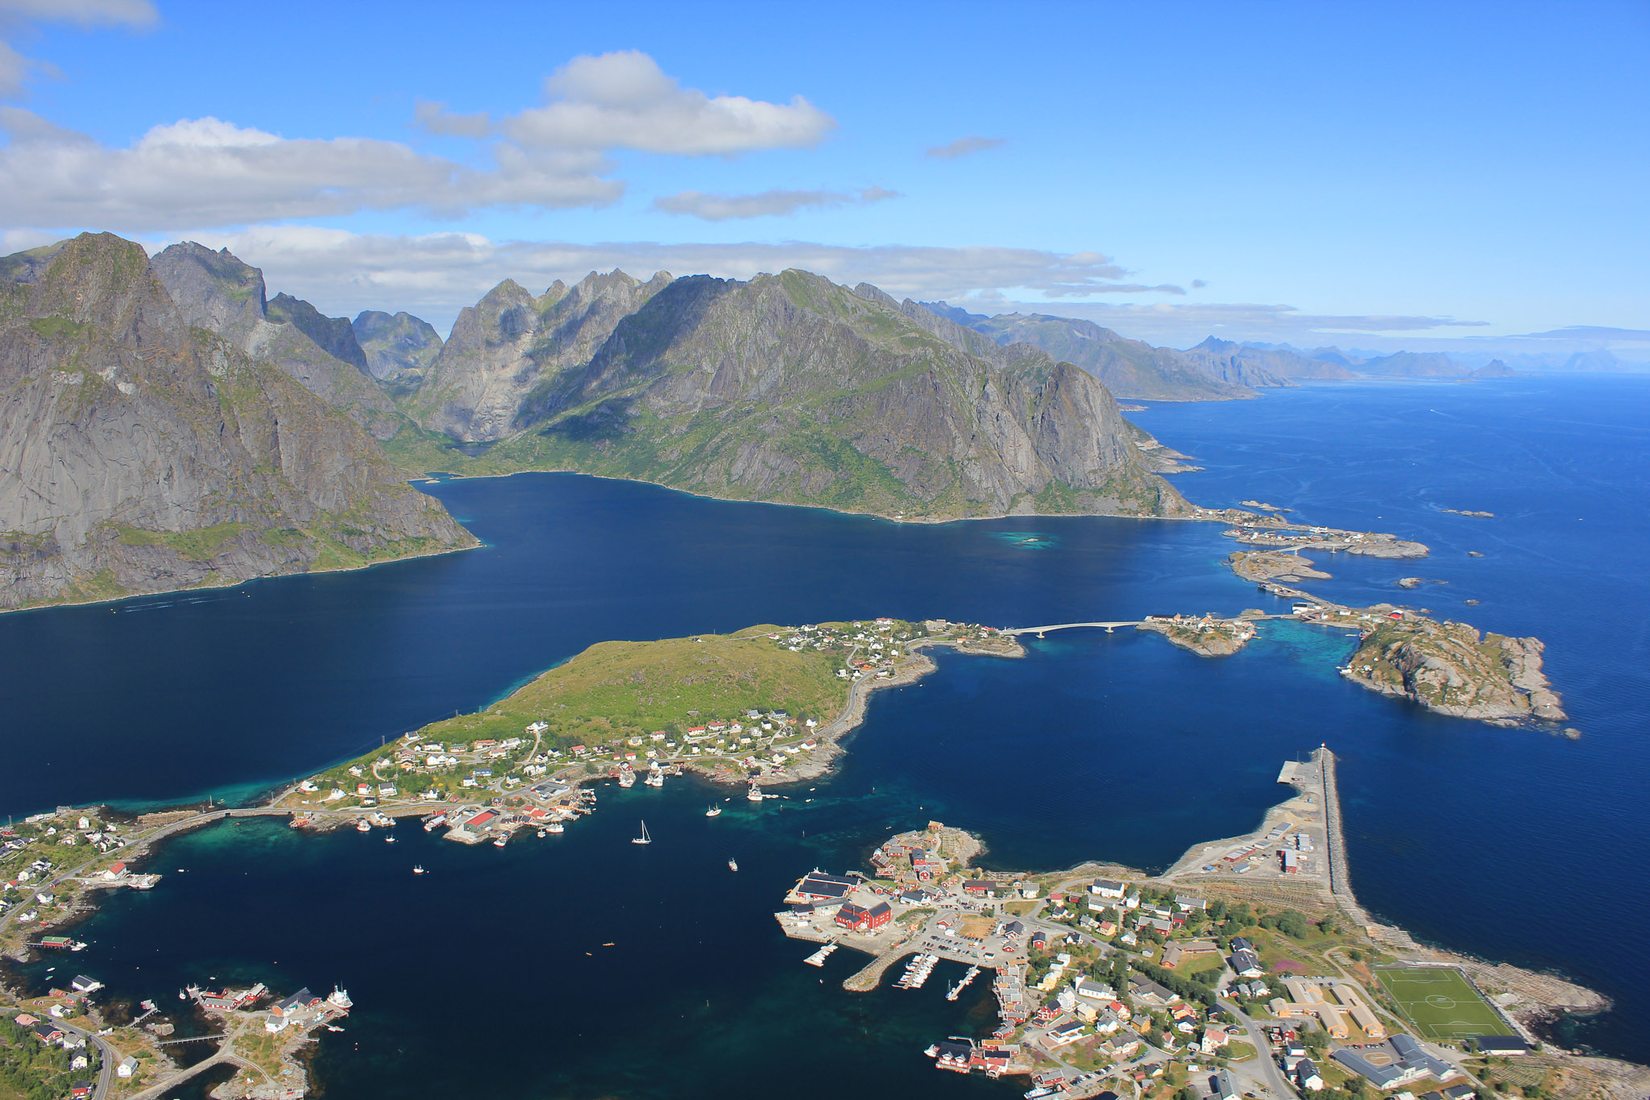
(1364, 174)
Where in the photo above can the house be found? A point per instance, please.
(83, 984)
(1246, 964)
(1106, 888)
(1093, 990)
(1306, 1075)
(1065, 1033)
(980, 888)
(859, 918)
(80, 1088)
(1221, 1087)
(46, 1031)
(128, 1066)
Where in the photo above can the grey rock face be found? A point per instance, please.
(217, 292)
(790, 387)
(399, 347)
(143, 454)
(510, 343)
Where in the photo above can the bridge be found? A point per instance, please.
(1041, 630)
(1108, 627)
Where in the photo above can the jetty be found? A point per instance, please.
(818, 957)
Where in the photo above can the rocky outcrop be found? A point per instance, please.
(1452, 669)
(792, 388)
(399, 348)
(1267, 565)
(217, 292)
(1204, 635)
(511, 343)
(143, 453)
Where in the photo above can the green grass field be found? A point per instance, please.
(1441, 1003)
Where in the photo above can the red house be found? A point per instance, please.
(862, 919)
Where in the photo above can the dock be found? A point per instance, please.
(818, 957)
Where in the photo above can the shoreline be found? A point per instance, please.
(231, 585)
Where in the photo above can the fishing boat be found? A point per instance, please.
(418, 869)
(644, 838)
(363, 826)
(555, 827)
(627, 775)
(500, 841)
(754, 794)
(714, 811)
(655, 777)
(541, 834)
(733, 864)
(390, 839)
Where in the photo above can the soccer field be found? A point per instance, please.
(1441, 1003)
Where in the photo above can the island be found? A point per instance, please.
(1246, 968)
(1266, 565)
(1205, 635)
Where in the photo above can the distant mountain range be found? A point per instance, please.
(1215, 370)
(169, 425)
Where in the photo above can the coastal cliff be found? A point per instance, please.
(145, 454)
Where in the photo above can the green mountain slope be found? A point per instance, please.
(793, 389)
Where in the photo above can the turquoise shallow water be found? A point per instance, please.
(1117, 746)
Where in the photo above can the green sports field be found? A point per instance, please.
(1441, 1003)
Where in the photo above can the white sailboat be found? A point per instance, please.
(714, 811)
(644, 838)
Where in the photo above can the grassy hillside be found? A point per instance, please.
(616, 690)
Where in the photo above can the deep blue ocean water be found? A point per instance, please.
(1511, 844)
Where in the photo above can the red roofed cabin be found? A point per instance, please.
(861, 919)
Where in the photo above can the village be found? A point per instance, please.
(1109, 983)
(492, 789)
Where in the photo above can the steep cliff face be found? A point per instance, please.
(510, 343)
(399, 348)
(217, 292)
(791, 388)
(144, 454)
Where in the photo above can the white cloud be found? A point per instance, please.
(963, 146)
(209, 172)
(623, 100)
(87, 13)
(716, 208)
(435, 118)
(435, 275)
(15, 68)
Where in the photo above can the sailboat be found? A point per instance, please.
(644, 838)
(714, 811)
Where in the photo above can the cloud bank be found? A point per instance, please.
(717, 208)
